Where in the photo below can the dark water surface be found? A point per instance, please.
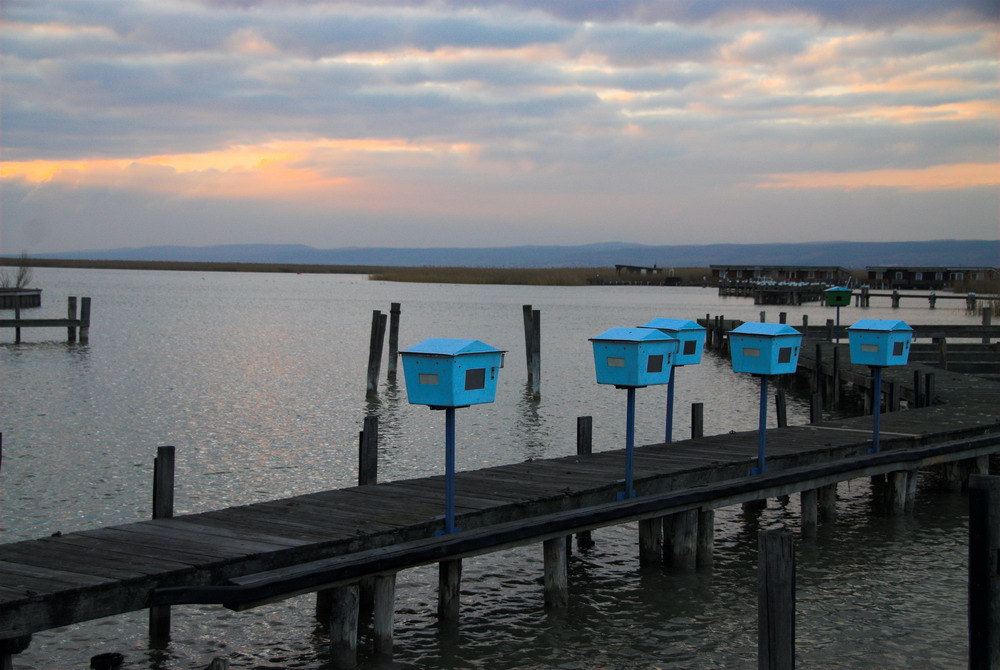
(259, 380)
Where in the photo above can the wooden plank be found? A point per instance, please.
(198, 528)
(50, 555)
(156, 542)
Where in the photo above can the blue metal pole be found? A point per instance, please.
(449, 468)
(669, 432)
(762, 428)
(876, 405)
(629, 443)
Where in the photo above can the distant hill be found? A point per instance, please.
(853, 255)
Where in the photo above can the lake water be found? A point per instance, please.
(259, 381)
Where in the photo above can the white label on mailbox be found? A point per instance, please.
(429, 379)
(870, 348)
(751, 353)
(614, 362)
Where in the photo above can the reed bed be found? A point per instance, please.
(466, 275)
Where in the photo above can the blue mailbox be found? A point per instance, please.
(690, 336)
(880, 342)
(634, 356)
(765, 348)
(691, 342)
(445, 372)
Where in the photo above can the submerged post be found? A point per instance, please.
(775, 600)
(984, 572)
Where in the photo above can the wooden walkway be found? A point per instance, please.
(74, 577)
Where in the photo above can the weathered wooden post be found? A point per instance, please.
(71, 315)
(584, 447)
(895, 298)
(827, 496)
(987, 322)
(163, 508)
(892, 401)
(697, 420)
(783, 317)
(368, 452)
(984, 572)
(970, 301)
(942, 343)
(651, 541)
(706, 538)
(536, 353)
(776, 600)
(930, 393)
(830, 330)
(375, 352)
(344, 626)
(918, 400)
(107, 661)
(385, 609)
(85, 319)
(9, 647)
(394, 313)
(781, 407)
(932, 299)
(680, 533)
(556, 573)
(895, 492)
(808, 503)
(529, 324)
(816, 408)
(17, 329)
(835, 377)
(449, 590)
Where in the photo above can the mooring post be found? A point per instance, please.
(783, 317)
(536, 353)
(528, 339)
(394, 312)
(987, 322)
(932, 299)
(918, 400)
(816, 408)
(942, 343)
(984, 572)
(775, 600)
(697, 420)
(17, 329)
(375, 352)
(895, 299)
(368, 452)
(930, 393)
(85, 319)
(385, 609)
(11, 646)
(449, 589)
(970, 301)
(706, 538)
(584, 447)
(892, 401)
(808, 503)
(911, 491)
(781, 407)
(344, 626)
(556, 573)
(71, 315)
(163, 508)
(835, 377)
(651, 541)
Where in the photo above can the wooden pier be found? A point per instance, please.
(20, 298)
(77, 325)
(329, 541)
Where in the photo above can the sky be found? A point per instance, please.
(447, 123)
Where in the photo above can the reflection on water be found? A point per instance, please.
(259, 381)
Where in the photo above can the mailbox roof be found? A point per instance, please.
(880, 325)
(446, 346)
(838, 289)
(672, 324)
(632, 335)
(766, 329)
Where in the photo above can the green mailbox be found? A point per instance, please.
(838, 296)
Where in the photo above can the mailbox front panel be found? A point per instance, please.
(451, 381)
(762, 355)
(880, 348)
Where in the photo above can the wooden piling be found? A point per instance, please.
(942, 343)
(375, 351)
(680, 532)
(827, 498)
(809, 510)
(10, 647)
(930, 393)
(107, 661)
(385, 609)
(918, 400)
(835, 377)
(584, 447)
(781, 408)
(895, 492)
(895, 299)
(163, 508)
(783, 317)
(705, 551)
(344, 626)
(830, 330)
(556, 578)
(84, 319)
(892, 401)
(775, 600)
(911, 492)
(17, 329)
(697, 420)
(984, 572)
(987, 322)
(816, 408)
(71, 314)
(449, 589)
(394, 312)
(536, 353)
(368, 452)
(651, 541)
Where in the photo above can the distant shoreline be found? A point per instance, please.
(191, 266)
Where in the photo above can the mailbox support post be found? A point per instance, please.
(762, 428)
(876, 406)
(669, 430)
(449, 471)
(629, 443)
